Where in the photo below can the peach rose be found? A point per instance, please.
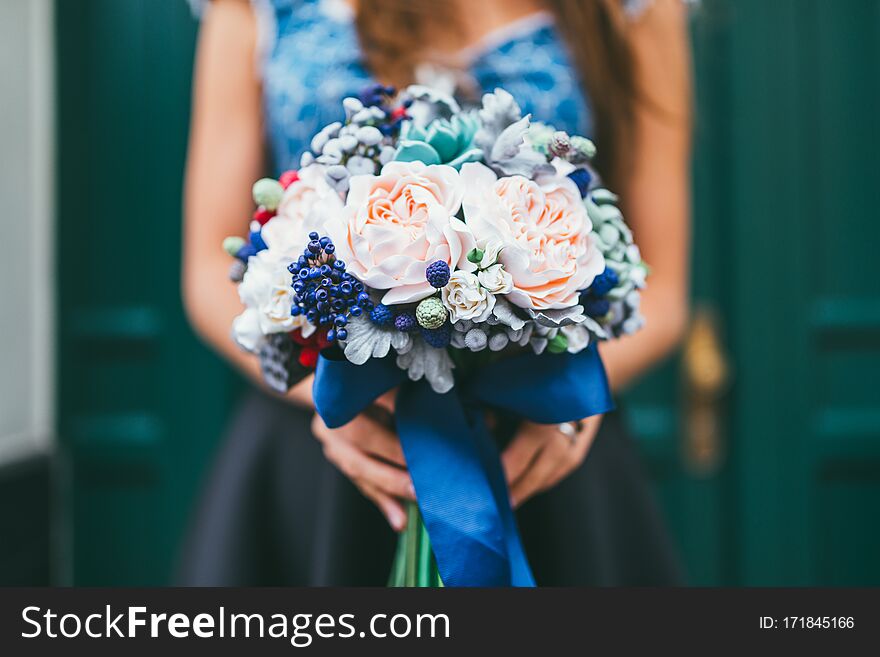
(305, 206)
(545, 230)
(397, 223)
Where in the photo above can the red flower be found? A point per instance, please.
(288, 178)
(262, 215)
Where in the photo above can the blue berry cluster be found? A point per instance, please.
(406, 321)
(325, 293)
(437, 274)
(593, 298)
(439, 337)
(382, 315)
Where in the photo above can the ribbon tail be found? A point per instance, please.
(460, 505)
(520, 571)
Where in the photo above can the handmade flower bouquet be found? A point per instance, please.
(466, 257)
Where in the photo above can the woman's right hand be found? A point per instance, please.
(369, 454)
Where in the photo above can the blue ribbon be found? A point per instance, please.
(450, 454)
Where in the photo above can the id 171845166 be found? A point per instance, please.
(807, 623)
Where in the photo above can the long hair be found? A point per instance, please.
(395, 34)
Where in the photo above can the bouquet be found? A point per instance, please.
(468, 257)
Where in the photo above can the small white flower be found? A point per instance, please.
(465, 298)
(578, 337)
(495, 279)
(490, 253)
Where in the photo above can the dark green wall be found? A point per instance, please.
(785, 191)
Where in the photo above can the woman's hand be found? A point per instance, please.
(540, 456)
(369, 454)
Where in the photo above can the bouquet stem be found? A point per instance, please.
(414, 563)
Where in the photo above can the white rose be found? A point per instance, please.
(267, 295)
(495, 279)
(246, 331)
(465, 298)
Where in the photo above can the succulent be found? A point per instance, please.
(614, 298)
(502, 138)
(615, 240)
(442, 141)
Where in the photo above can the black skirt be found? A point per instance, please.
(275, 512)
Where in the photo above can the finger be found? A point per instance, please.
(365, 469)
(517, 456)
(391, 508)
(379, 441)
(538, 476)
(319, 429)
(388, 400)
(580, 448)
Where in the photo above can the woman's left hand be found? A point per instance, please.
(541, 455)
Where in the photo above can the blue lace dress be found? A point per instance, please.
(274, 511)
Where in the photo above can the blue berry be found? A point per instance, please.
(437, 274)
(438, 338)
(246, 252)
(313, 236)
(331, 335)
(341, 334)
(314, 246)
(596, 307)
(406, 321)
(381, 315)
(329, 249)
(324, 241)
(604, 282)
(356, 311)
(582, 179)
(340, 320)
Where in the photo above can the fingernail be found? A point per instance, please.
(412, 490)
(396, 519)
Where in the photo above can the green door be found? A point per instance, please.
(772, 477)
(141, 402)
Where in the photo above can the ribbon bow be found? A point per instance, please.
(450, 454)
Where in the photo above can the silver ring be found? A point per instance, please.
(569, 430)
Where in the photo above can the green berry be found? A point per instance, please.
(232, 245)
(584, 146)
(431, 313)
(558, 344)
(268, 192)
(475, 255)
